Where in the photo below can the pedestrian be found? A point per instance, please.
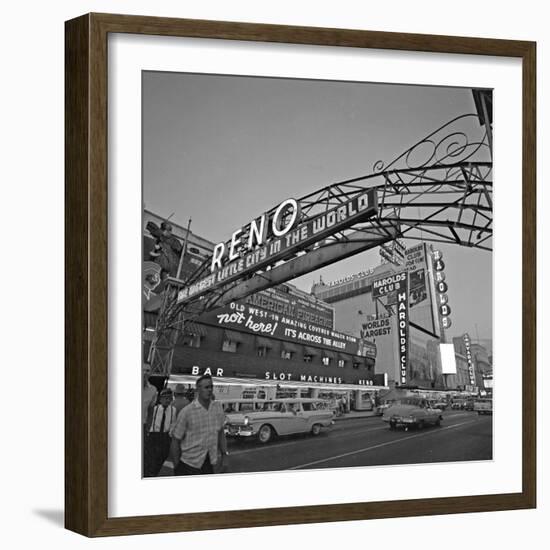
(157, 442)
(148, 398)
(198, 439)
(180, 398)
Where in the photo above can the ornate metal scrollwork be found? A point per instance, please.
(458, 140)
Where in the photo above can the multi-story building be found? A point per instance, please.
(277, 341)
(360, 309)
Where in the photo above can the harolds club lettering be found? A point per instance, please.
(403, 330)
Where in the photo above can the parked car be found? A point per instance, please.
(412, 412)
(441, 405)
(483, 406)
(280, 417)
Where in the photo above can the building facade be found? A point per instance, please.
(365, 304)
(280, 341)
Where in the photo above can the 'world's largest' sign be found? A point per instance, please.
(277, 237)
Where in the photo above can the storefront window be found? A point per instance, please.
(229, 346)
(341, 363)
(355, 365)
(286, 354)
(326, 361)
(262, 351)
(308, 358)
(192, 340)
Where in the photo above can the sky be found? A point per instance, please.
(221, 150)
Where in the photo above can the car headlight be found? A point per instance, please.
(246, 421)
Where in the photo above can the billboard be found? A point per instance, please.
(415, 262)
(448, 358)
(389, 284)
(292, 320)
(293, 306)
(378, 325)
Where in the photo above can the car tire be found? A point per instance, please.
(265, 434)
(316, 429)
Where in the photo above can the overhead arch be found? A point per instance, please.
(438, 190)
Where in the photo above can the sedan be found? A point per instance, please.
(412, 412)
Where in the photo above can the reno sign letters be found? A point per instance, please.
(275, 237)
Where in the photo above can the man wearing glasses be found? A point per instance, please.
(198, 439)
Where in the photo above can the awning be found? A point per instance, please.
(244, 382)
(194, 329)
(343, 357)
(357, 359)
(329, 354)
(263, 342)
(233, 336)
(311, 351)
(287, 346)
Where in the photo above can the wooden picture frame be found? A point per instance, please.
(86, 222)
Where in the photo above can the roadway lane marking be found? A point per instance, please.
(378, 446)
(333, 435)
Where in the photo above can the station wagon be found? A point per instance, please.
(280, 417)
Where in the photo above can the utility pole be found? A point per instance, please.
(184, 250)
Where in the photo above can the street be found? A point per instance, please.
(367, 442)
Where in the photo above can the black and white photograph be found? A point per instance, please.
(317, 274)
(270, 227)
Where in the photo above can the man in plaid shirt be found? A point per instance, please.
(198, 439)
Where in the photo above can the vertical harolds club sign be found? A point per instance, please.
(469, 359)
(397, 285)
(444, 308)
(403, 329)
